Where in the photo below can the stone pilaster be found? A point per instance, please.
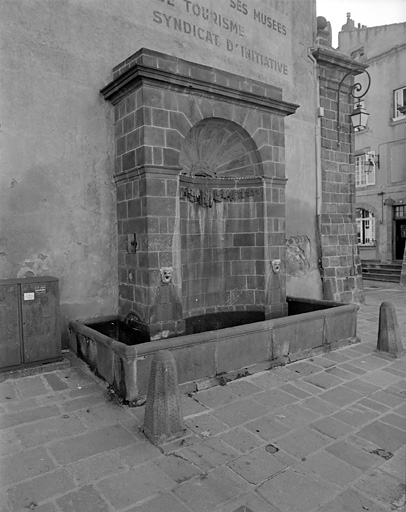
(340, 263)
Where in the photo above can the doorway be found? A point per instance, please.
(400, 238)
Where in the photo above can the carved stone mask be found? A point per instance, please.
(166, 274)
(276, 266)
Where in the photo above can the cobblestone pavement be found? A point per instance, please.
(325, 434)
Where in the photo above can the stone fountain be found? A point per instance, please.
(200, 176)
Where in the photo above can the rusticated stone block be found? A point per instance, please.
(163, 413)
(128, 161)
(389, 340)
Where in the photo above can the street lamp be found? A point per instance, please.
(359, 116)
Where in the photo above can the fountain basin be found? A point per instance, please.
(311, 327)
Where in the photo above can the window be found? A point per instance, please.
(400, 211)
(365, 227)
(399, 101)
(364, 170)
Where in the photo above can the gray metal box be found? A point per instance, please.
(29, 321)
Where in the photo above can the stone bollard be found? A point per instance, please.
(389, 340)
(163, 413)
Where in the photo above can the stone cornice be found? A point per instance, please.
(173, 172)
(330, 57)
(144, 170)
(141, 74)
(275, 180)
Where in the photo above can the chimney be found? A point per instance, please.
(349, 25)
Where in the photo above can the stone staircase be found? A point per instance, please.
(377, 271)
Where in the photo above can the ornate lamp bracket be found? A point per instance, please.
(356, 90)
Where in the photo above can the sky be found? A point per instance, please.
(371, 13)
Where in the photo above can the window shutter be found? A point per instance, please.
(373, 237)
(400, 96)
(371, 171)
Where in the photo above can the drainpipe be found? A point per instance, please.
(318, 138)
(319, 111)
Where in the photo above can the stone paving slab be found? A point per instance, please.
(296, 391)
(396, 465)
(249, 502)
(84, 498)
(356, 415)
(257, 466)
(353, 456)
(331, 427)
(97, 467)
(320, 435)
(361, 386)
(383, 435)
(177, 468)
(208, 454)
(390, 397)
(164, 502)
(374, 405)
(304, 368)
(302, 442)
(294, 416)
(324, 380)
(243, 388)
(331, 468)
(340, 373)
(136, 484)
(240, 412)
(17, 418)
(32, 387)
(321, 406)
(341, 396)
(297, 490)
(382, 379)
(352, 369)
(394, 420)
(274, 398)
(208, 492)
(25, 465)
(267, 428)
(241, 439)
(337, 357)
(27, 494)
(206, 424)
(50, 429)
(91, 443)
(351, 501)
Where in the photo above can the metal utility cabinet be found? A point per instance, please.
(29, 321)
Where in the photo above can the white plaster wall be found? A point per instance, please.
(301, 169)
(376, 40)
(57, 195)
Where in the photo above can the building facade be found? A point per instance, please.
(95, 141)
(380, 149)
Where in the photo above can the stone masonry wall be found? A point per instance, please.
(152, 119)
(227, 249)
(340, 261)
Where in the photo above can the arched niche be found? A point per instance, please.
(219, 148)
